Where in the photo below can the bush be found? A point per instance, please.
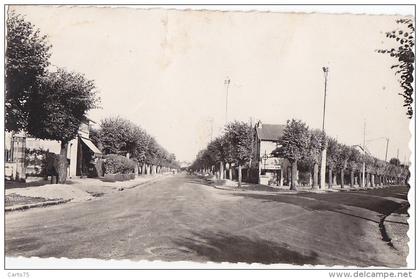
(35, 162)
(117, 164)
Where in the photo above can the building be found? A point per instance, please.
(271, 170)
(23, 154)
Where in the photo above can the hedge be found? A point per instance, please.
(117, 164)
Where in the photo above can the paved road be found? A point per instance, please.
(182, 218)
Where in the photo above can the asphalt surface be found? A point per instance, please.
(183, 218)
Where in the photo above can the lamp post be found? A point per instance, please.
(265, 157)
(324, 150)
(227, 82)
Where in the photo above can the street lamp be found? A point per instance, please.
(325, 70)
(227, 82)
(265, 157)
(324, 150)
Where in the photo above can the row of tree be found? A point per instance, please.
(302, 148)
(234, 147)
(123, 137)
(51, 105)
(43, 103)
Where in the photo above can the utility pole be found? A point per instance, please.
(386, 152)
(398, 153)
(364, 152)
(324, 150)
(227, 82)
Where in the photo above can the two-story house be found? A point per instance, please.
(271, 170)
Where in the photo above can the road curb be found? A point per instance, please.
(34, 205)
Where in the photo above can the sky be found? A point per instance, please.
(164, 69)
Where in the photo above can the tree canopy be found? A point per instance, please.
(239, 136)
(60, 105)
(26, 61)
(120, 136)
(295, 141)
(403, 52)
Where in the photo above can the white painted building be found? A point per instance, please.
(80, 153)
(270, 169)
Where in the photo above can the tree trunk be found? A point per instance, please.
(230, 172)
(294, 176)
(360, 179)
(342, 178)
(315, 180)
(239, 175)
(222, 172)
(351, 178)
(330, 178)
(62, 163)
(248, 172)
(372, 180)
(281, 177)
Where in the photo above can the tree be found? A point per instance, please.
(228, 154)
(395, 162)
(343, 156)
(379, 167)
(316, 145)
(58, 108)
(370, 169)
(116, 136)
(354, 162)
(216, 148)
(333, 150)
(26, 61)
(294, 145)
(239, 135)
(404, 54)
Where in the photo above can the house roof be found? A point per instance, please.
(271, 132)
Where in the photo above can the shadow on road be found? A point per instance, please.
(399, 192)
(224, 247)
(333, 201)
(199, 180)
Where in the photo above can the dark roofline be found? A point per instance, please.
(270, 132)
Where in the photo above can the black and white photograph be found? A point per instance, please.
(209, 137)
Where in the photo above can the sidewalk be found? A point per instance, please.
(232, 185)
(19, 196)
(396, 227)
